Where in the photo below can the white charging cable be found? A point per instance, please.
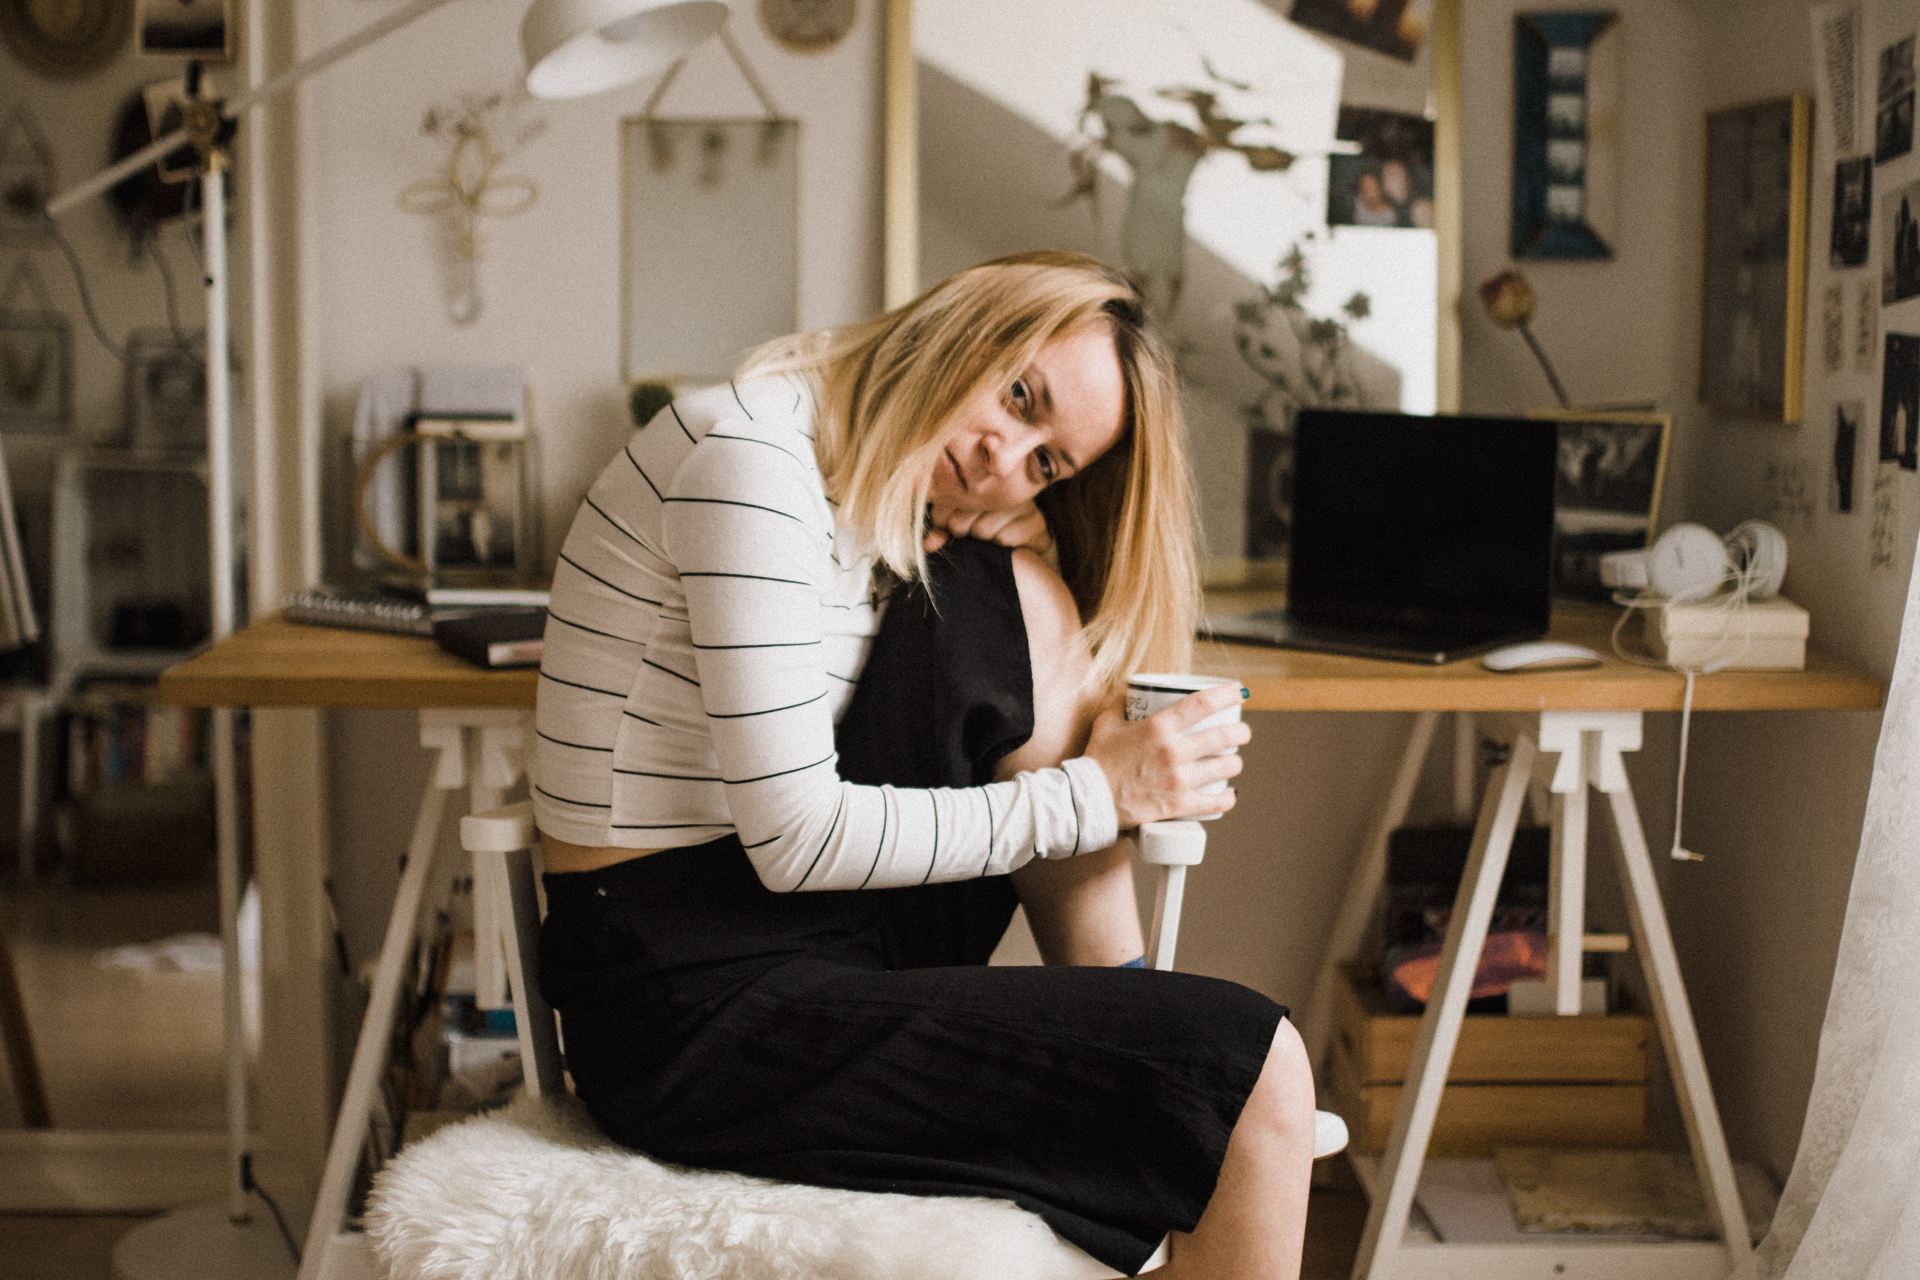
(1732, 605)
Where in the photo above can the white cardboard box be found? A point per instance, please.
(1761, 635)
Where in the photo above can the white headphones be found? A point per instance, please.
(1692, 562)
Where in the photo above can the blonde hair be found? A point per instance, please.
(889, 391)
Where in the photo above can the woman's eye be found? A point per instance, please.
(1022, 398)
(1049, 469)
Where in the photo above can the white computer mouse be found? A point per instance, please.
(1537, 655)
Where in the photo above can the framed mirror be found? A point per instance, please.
(1194, 144)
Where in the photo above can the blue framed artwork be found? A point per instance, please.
(1566, 77)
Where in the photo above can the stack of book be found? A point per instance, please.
(492, 625)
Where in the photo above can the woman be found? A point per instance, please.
(801, 752)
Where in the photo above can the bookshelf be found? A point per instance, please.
(131, 596)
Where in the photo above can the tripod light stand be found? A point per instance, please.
(572, 48)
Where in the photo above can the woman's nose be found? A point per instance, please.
(1002, 450)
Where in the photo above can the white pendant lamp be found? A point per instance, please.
(577, 47)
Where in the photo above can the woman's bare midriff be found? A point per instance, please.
(562, 857)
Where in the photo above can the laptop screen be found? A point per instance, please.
(1428, 524)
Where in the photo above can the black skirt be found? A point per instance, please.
(859, 1039)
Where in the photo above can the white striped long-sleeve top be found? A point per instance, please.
(708, 621)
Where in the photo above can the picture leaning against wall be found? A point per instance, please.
(1752, 301)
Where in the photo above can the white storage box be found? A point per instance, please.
(1763, 635)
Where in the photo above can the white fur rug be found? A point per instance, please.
(534, 1192)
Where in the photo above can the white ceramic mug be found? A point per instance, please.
(1148, 692)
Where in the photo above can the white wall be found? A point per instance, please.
(1774, 799)
(551, 281)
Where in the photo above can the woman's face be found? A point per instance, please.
(1053, 419)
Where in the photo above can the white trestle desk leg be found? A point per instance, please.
(1673, 1014)
(500, 741)
(1413, 1121)
(1173, 847)
(1364, 886)
(477, 750)
(1466, 758)
(1575, 749)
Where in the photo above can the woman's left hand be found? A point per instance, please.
(1021, 526)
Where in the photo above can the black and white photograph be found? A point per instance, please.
(1390, 182)
(166, 392)
(36, 373)
(1397, 28)
(1900, 251)
(1833, 329)
(473, 491)
(1606, 492)
(1852, 212)
(1893, 118)
(1866, 325)
(1846, 455)
(187, 28)
(1900, 402)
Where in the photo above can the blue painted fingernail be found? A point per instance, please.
(1245, 693)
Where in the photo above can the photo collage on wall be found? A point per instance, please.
(1868, 307)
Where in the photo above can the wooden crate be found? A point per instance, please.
(1545, 1081)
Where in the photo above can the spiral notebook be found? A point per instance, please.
(362, 609)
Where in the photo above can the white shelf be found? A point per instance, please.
(1463, 1228)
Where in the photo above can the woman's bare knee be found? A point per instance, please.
(1283, 1096)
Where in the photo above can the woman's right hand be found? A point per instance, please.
(1156, 767)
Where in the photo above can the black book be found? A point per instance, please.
(496, 638)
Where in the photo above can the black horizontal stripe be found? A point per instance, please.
(683, 426)
(842, 679)
(746, 715)
(670, 671)
(671, 777)
(824, 843)
(730, 502)
(601, 511)
(740, 782)
(575, 684)
(584, 804)
(628, 454)
(577, 746)
(761, 844)
(595, 631)
(785, 644)
(754, 577)
(608, 585)
(767, 444)
(642, 719)
(737, 400)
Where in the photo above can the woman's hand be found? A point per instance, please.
(1021, 526)
(1156, 767)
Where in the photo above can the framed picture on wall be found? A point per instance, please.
(1566, 125)
(1608, 474)
(36, 373)
(166, 391)
(1752, 332)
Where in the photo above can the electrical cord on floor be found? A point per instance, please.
(252, 1185)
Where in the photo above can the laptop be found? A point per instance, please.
(1420, 539)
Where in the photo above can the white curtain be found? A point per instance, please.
(1851, 1209)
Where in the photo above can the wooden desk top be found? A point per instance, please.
(276, 663)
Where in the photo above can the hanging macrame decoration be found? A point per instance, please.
(36, 357)
(710, 234)
(478, 134)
